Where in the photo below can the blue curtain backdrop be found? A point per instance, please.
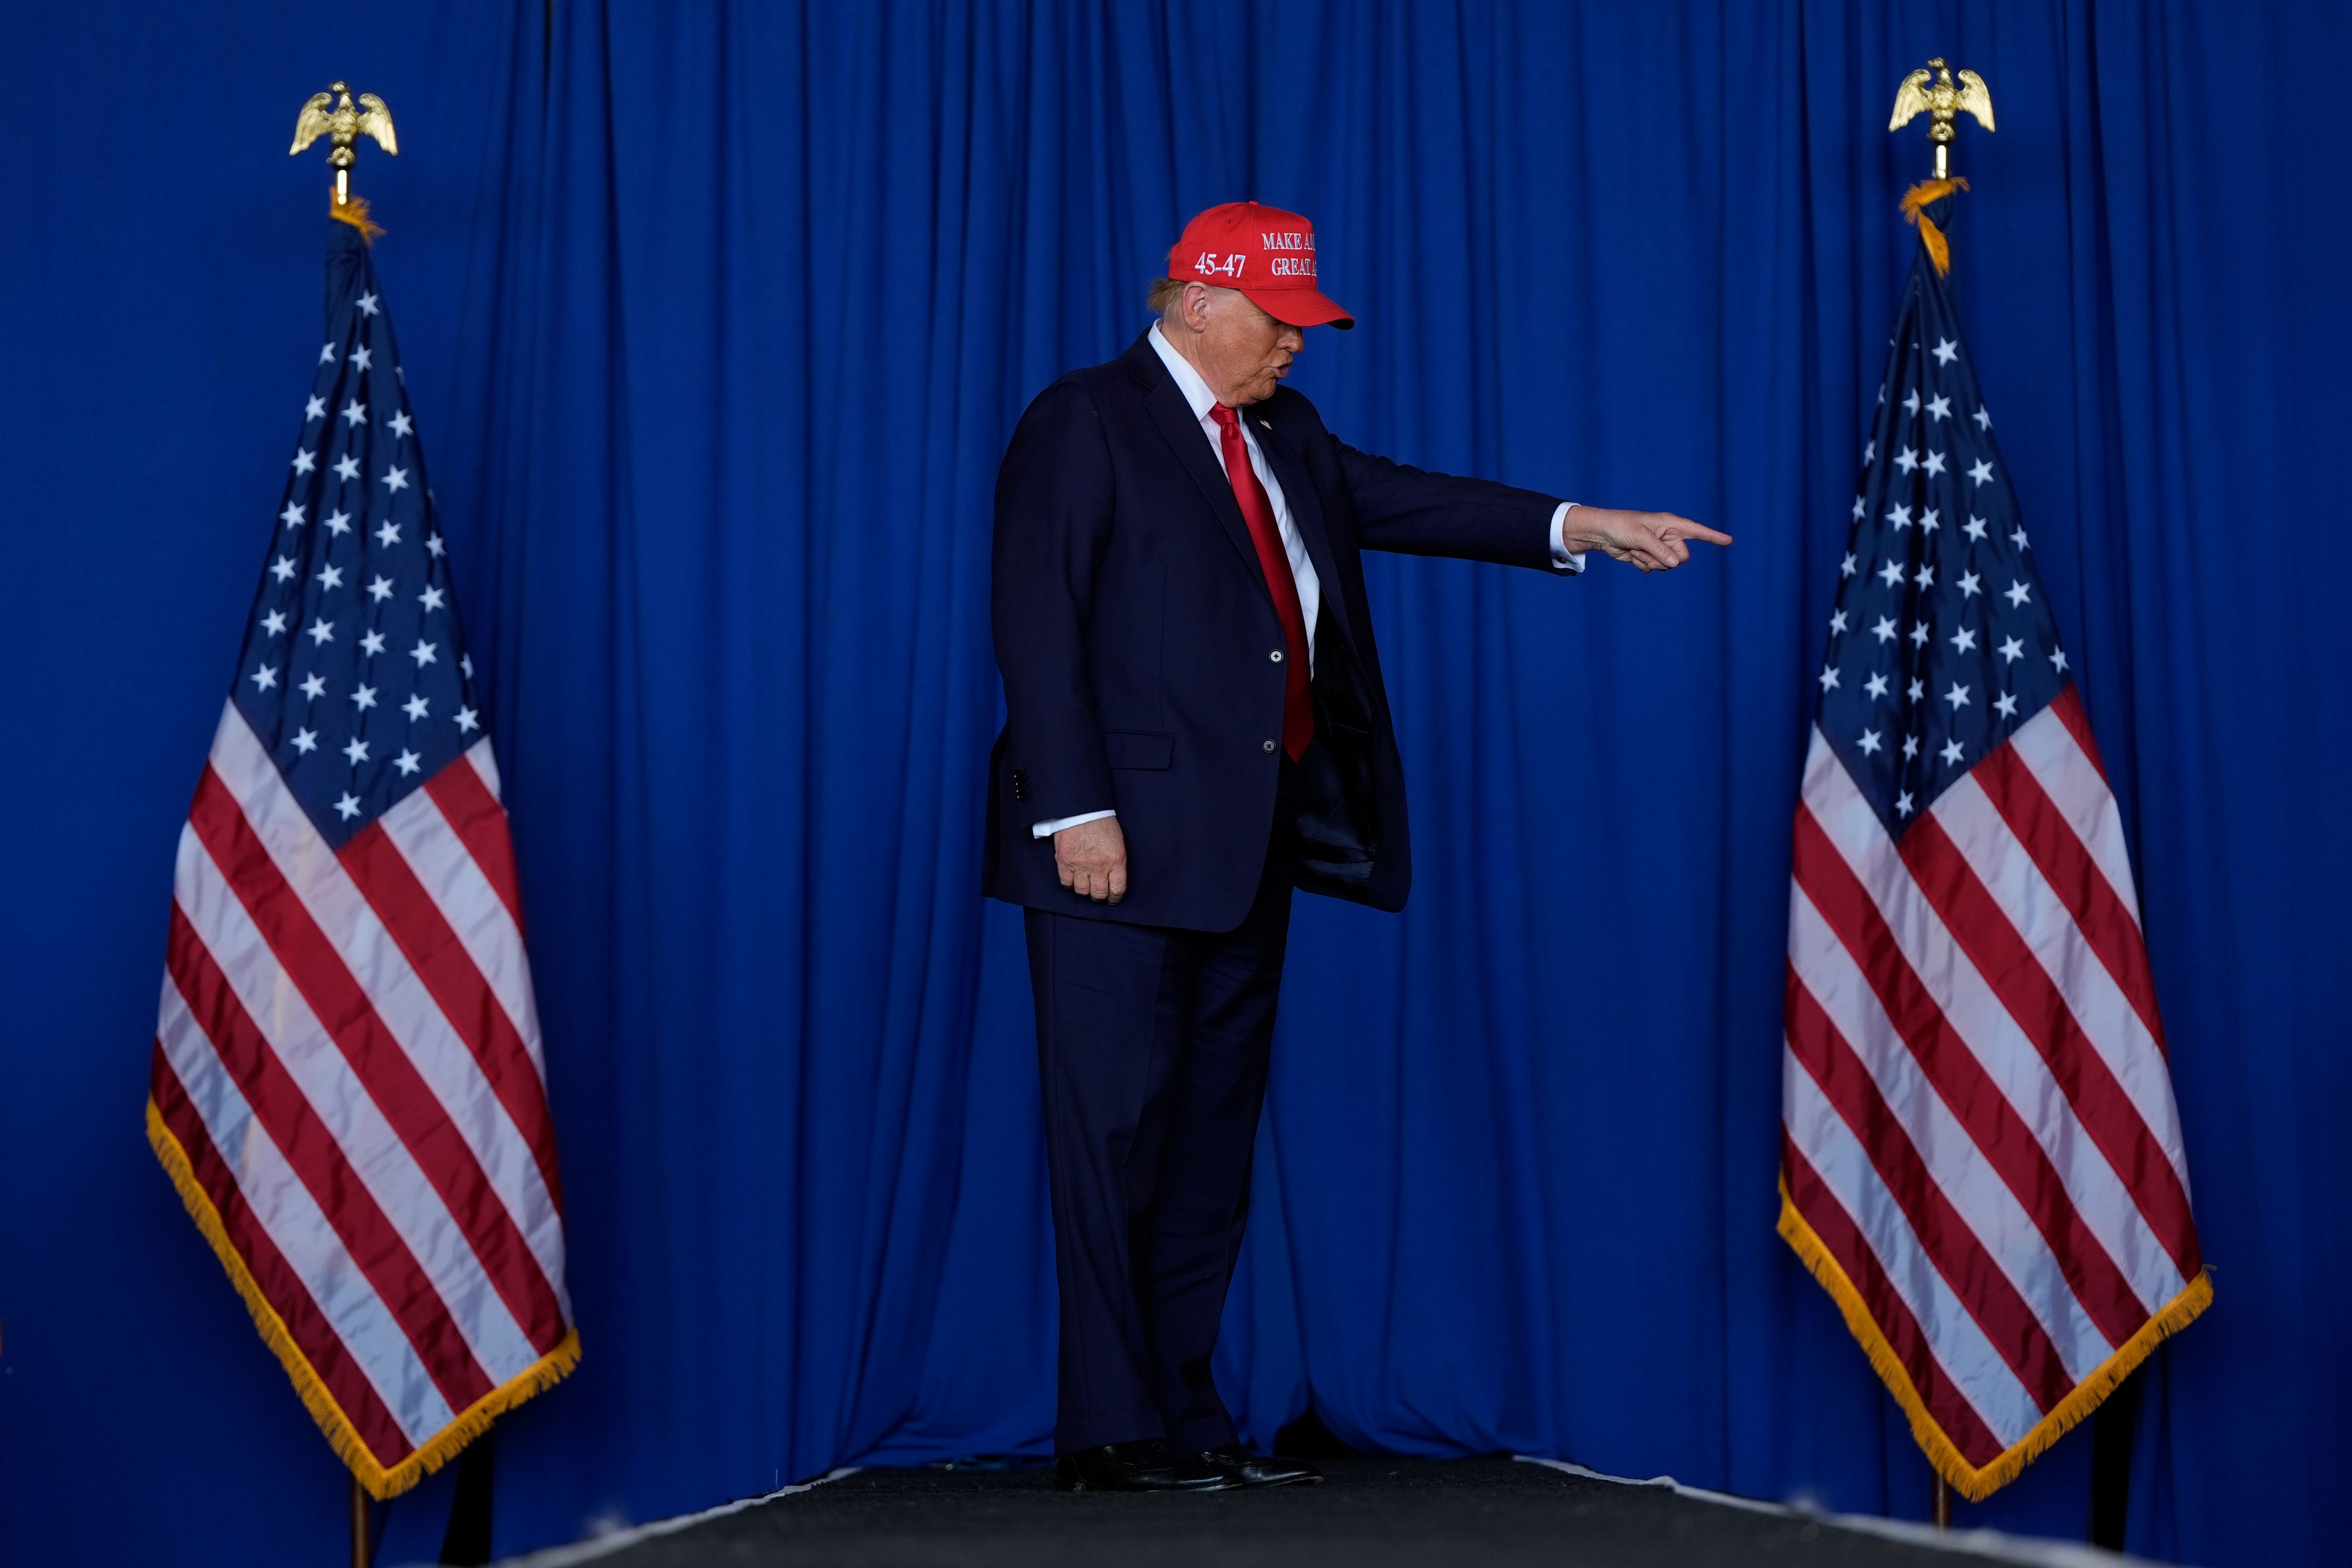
(716, 320)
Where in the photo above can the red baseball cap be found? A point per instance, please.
(1266, 253)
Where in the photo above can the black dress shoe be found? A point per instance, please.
(1251, 1470)
(1147, 1465)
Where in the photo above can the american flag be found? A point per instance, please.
(1981, 1159)
(348, 1088)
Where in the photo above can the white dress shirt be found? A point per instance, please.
(1302, 567)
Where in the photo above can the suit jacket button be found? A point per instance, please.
(1275, 655)
(1269, 745)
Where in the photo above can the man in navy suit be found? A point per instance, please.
(1195, 726)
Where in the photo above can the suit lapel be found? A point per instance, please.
(1165, 403)
(1306, 511)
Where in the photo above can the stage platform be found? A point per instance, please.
(1371, 1512)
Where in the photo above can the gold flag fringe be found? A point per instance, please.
(1973, 1483)
(1915, 210)
(381, 1481)
(354, 212)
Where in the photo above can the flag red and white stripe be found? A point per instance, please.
(348, 1088)
(1982, 1157)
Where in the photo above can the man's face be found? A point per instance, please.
(1244, 353)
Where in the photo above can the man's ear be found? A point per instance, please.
(1196, 306)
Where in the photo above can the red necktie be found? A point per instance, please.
(1297, 708)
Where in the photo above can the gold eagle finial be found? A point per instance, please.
(332, 114)
(1932, 90)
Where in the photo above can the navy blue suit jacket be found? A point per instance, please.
(1135, 633)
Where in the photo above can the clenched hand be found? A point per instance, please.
(1647, 541)
(1092, 860)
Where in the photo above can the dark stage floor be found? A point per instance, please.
(1370, 1513)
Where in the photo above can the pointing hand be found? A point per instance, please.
(1647, 541)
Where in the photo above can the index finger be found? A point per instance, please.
(1684, 528)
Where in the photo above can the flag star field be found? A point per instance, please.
(352, 674)
(1941, 644)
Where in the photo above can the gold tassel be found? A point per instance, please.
(1915, 210)
(354, 212)
(1943, 1454)
(381, 1481)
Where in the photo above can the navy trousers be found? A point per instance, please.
(1151, 1047)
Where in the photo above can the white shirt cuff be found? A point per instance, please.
(1047, 829)
(1563, 559)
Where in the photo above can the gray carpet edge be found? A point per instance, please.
(1981, 1545)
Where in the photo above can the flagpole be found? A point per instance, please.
(342, 119)
(1933, 91)
(362, 1548)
